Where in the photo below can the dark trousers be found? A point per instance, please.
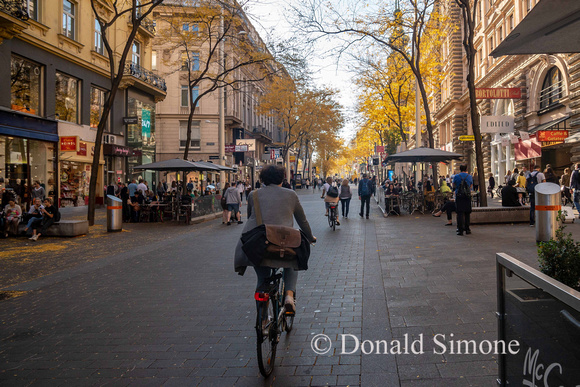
(463, 221)
(44, 225)
(533, 208)
(448, 208)
(345, 204)
(365, 199)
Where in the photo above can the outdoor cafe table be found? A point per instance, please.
(393, 204)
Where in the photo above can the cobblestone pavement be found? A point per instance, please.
(168, 309)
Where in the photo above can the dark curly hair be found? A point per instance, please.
(272, 174)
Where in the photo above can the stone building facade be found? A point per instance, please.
(548, 107)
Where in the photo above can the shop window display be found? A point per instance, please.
(74, 183)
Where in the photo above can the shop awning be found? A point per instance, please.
(552, 26)
(548, 125)
(19, 132)
(528, 149)
(422, 155)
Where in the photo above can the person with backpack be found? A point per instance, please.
(364, 195)
(345, 195)
(575, 186)
(462, 183)
(50, 215)
(330, 195)
(535, 178)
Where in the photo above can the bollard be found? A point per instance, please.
(114, 213)
(548, 203)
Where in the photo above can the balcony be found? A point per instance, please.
(145, 80)
(261, 133)
(146, 28)
(13, 18)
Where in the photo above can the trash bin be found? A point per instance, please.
(114, 213)
(548, 203)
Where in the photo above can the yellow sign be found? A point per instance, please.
(466, 138)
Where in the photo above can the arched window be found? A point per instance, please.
(551, 88)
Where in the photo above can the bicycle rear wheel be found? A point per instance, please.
(266, 337)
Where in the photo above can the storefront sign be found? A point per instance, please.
(230, 148)
(466, 138)
(130, 120)
(146, 123)
(82, 149)
(497, 124)
(292, 159)
(69, 144)
(119, 172)
(498, 93)
(552, 135)
(117, 150)
(241, 148)
(251, 143)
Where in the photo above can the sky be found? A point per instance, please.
(269, 17)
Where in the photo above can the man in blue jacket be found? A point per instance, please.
(364, 195)
(463, 199)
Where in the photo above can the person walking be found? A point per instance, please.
(364, 195)
(233, 203)
(565, 186)
(491, 184)
(536, 177)
(278, 206)
(345, 194)
(463, 183)
(575, 186)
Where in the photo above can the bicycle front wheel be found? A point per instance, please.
(266, 337)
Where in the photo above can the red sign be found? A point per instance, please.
(498, 93)
(68, 144)
(552, 135)
(272, 154)
(379, 149)
(82, 149)
(230, 148)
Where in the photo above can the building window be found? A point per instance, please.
(551, 88)
(136, 53)
(31, 7)
(98, 38)
(500, 33)
(195, 61)
(511, 22)
(185, 94)
(25, 85)
(68, 18)
(67, 98)
(190, 27)
(97, 103)
(490, 42)
(153, 60)
(195, 134)
(188, 59)
(529, 5)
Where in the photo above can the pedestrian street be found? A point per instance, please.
(171, 311)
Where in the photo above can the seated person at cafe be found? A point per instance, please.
(444, 187)
(135, 203)
(429, 195)
(391, 199)
(448, 208)
(33, 215)
(392, 190)
(509, 195)
(49, 216)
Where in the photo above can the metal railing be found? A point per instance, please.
(145, 75)
(147, 24)
(15, 8)
(551, 94)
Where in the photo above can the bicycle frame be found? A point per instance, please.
(332, 213)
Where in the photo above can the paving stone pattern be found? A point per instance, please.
(175, 313)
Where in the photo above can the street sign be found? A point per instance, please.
(379, 149)
(466, 138)
(498, 93)
(214, 157)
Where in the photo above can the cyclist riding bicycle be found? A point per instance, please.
(278, 206)
(330, 199)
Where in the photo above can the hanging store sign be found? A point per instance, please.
(497, 124)
(505, 141)
(552, 135)
(146, 123)
(524, 135)
(82, 149)
(498, 93)
(230, 148)
(250, 143)
(69, 144)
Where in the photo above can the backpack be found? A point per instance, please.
(332, 192)
(364, 189)
(531, 182)
(57, 216)
(463, 190)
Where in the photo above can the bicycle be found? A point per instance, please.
(332, 214)
(271, 320)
